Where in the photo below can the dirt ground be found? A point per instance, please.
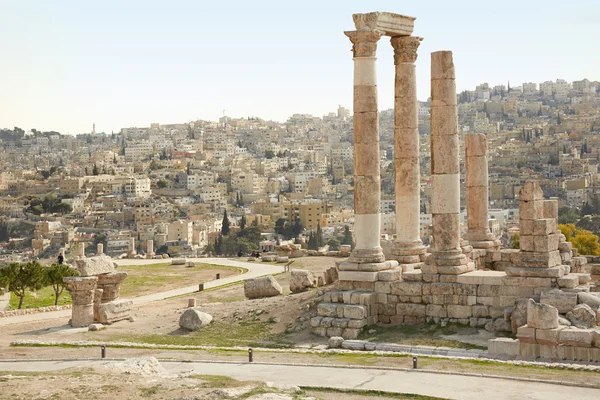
(100, 383)
(280, 322)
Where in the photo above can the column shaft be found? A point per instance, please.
(445, 205)
(367, 185)
(476, 164)
(407, 174)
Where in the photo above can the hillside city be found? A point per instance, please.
(173, 183)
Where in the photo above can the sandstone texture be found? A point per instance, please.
(265, 286)
(193, 319)
(97, 265)
(302, 280)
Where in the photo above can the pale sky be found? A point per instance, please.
(67, 64)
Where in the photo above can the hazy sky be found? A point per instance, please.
(67, 64)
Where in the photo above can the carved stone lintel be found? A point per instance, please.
(364, 42)
(405, 48)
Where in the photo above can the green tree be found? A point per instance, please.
(269, 154)
(54, 277)
(312, 242)
(243, 222)
(95, 170)
(347, 236)
(22, 277)
(567, 215)
(319, 236)
(334, 244)
(587, 209)
(516, 241)
(226, 224)
(553, 159)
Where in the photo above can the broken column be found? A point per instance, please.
(408, 247)
(447, 256)
(149, 248)
(539, 256)
(131, 249)
(100, 249)
(110, 284)
(476, 163)
(82, 291)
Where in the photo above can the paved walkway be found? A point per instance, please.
(254, 270)
(416, 382)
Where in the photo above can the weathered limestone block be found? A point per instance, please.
(541, 316)
(569, 281)
(504, 346)
(551, 272)
(582, 316)
(97, 265)
(549, 337)
(193, 319)
(518, 316)
(576, 337)
(526, 334)
(591, 299)
(331, 275)
(265, 286)
(302, 280)
(408, 309)
(498, 325)
(115, 311)
(178, 261)
(535, 259)
(563, 301)
(458, 311)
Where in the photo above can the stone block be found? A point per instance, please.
(582, 316)
(407, 288)
(529, 350)
(114, 311)
(458, 311)
(576, 337)
(544, 227)
(541, 316)
(389, 275)
(549, 337)
(327, 309)
(319, 331)
(409, 309)
(552, 272)
(533, 209)
(546, 243)
(504, 346)
(535, 259)
(355, 311)
(591, 299)
(383, 287)
(435, 310)
(549, 352)
(264, 286)
(562, 301)
(456, 269)
(412, 276)
(526, 334)
(528, 282)
(568, 281)
(527, 243)
(193, 319)
(301, 280)
(480, 311)
(360, 276)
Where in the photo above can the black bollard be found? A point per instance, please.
(200, 287)
(218, 276)
(414, 362)
(103, 351)
(249, 355)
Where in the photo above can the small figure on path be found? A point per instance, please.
(61, 258)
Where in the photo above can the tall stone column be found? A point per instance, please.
(478, 234)
(447, 254)
(360, 270)
(408, 247)
(367, 183)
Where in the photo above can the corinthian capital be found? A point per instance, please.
(364, 42)
(405, 48)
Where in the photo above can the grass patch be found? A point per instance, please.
(371, 393)
(144, 279)
(358, 358)
(216, 334)
(420, 335)
(42, 298)
(150, 391)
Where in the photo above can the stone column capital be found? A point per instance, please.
(364, 42)
(405, 48)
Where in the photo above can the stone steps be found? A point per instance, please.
(344, 313)
(350, 297)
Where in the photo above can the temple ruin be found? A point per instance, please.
(470, 279)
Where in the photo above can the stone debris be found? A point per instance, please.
(193, 319)
(95, 327)
(541, 316)
(590, 299)
(226, 393)
(582, 316)
(302, 280)
(335, 342)
(111, 312)
(142, 366)
(264, 286)
(283, 387)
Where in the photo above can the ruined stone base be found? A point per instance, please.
(114, 311)
(344, 313)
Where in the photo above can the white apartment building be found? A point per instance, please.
(138, 151)
(196, 181)
(248, 182)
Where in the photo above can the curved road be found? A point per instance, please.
(416, 382)
(254, 270)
